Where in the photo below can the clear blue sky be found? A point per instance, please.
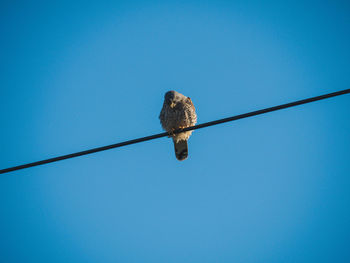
(77, 75)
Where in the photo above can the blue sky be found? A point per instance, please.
(78, 75)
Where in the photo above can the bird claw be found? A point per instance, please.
(171, 133)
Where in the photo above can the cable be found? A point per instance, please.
(159, 135)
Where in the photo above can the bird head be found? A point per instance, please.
(172, 98)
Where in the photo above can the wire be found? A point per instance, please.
(159, 135)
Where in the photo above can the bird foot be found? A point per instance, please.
(171, 133)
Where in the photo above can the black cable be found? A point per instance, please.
(159, 135)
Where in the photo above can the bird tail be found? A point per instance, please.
(181, 149)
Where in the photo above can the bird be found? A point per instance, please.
(178, 112)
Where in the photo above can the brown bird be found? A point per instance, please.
(178, 112)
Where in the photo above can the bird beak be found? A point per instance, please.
(172, 104)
